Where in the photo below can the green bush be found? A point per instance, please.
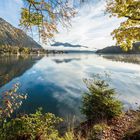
(36, 126)
(99, 102)
(96, 133)
(69, 136)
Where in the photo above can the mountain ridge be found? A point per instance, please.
(118, 50)
(12, 36)
(66, 44)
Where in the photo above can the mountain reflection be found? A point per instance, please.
(65, 60)
(135, 59)
(14, 66)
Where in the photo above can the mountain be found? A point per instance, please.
(11, 36)
(118, 50)
(57, 44)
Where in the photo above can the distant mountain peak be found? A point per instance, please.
(11, 36)
(66, 44)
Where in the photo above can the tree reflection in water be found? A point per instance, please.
(14, 66)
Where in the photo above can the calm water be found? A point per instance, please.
(55, 83)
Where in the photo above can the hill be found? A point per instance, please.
(118, 50)
(14, 37)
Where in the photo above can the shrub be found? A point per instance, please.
(10, 101)
(96, 133)
(36, 126)
(99, 102)
(69, 136)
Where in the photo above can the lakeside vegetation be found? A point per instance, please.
(105, 118)
(20, 50)
(10, 50)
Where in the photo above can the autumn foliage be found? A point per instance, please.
(129, 30)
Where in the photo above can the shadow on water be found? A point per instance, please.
(15, 66)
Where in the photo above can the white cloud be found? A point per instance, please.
(91, 27)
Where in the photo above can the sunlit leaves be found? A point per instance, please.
(30, 19)
(129, 30)
(37, 126)
(10, 101)
(126, 36)
(45, 15)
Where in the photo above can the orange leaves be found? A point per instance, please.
(9, 101)
(45, 15)
(48, 31)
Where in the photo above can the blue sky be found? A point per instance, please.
(10, 11)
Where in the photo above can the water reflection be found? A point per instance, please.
(56, 82)
(14, 66)
(135, 59)
(64, 60)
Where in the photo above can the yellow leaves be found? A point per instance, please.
(38, 125)
(47, 6)
(124, 8)
(29, 18)
(48, 31)
(53, 16)
(10, 101)
(126, 36)
(129, 31)
(45, 15)
(69, 136)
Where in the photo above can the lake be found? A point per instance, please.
(55, 82)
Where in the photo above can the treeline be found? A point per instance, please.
(20, 50)
(24, 50)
